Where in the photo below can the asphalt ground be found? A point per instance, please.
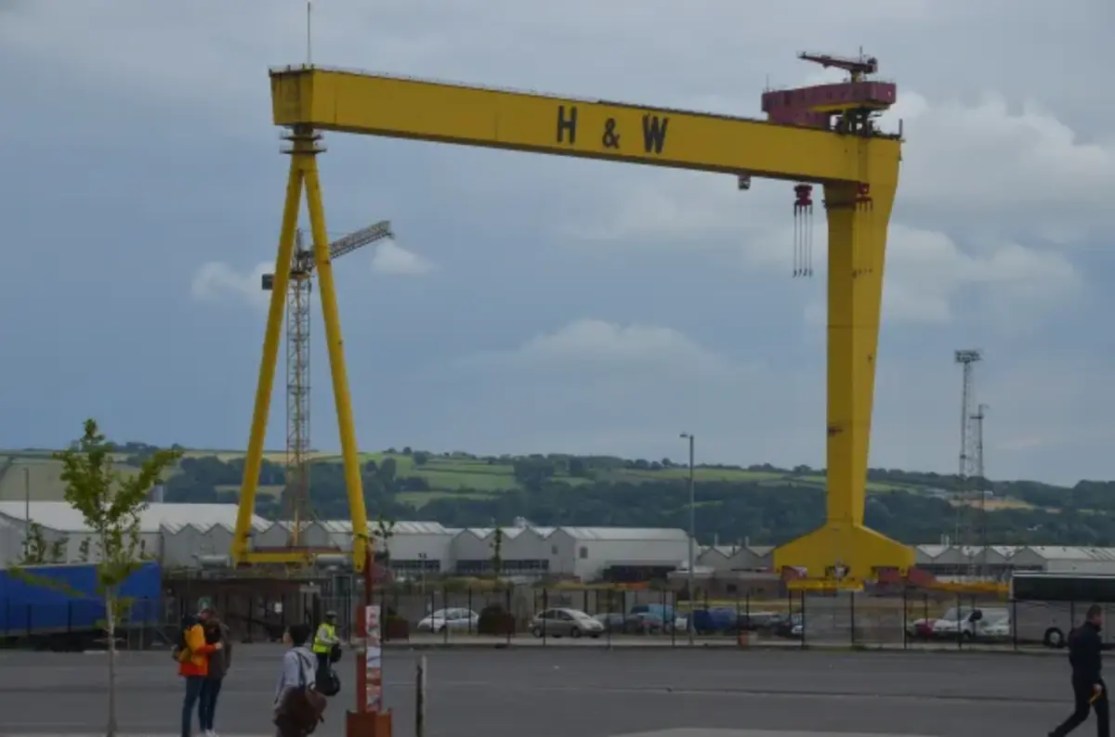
(579, 692)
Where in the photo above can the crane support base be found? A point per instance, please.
(860, 550)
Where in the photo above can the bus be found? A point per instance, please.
(1048, 605)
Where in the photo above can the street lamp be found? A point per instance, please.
(692, 532)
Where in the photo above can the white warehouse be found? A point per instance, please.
(180, 535)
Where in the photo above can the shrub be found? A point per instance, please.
(495, 620)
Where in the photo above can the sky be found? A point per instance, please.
(542, 304)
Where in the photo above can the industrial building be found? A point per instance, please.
(944, 561)
(184, 535)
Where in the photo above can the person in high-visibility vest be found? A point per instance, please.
(325, 640)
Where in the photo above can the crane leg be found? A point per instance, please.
(335, 343)
(254, 459)
(857, 246)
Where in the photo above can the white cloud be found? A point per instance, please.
(599, 346)
(990, 161)
(926, 271)
(391, 258)
(217, 281)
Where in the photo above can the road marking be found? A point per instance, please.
(705, 732)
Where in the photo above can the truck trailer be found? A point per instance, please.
(65, 611)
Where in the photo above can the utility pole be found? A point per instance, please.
(26, 511)
(692, 533)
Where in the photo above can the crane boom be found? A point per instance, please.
(360, 238)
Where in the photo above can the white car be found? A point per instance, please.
(452, 619)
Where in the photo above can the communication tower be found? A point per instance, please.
(966, 509)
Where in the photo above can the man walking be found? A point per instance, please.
(1089, 690)
(216, 631)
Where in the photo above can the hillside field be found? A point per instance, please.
(448, 475)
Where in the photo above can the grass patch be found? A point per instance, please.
(419, 499)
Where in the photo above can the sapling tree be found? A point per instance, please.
(111, 503)
(384, 531)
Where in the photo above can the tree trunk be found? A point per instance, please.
(110, 617)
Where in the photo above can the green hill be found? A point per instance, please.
(760, 502)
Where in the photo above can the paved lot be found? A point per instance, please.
(558, 692)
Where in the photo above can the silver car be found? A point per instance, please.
(562, 622)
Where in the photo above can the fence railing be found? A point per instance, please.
(604, 616)
(908, 619)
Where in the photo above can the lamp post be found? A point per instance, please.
(692, 532)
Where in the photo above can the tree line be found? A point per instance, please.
(913, 511)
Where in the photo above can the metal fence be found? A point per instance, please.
(908, 619)
(440, 614)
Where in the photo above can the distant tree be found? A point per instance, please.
(58, 550)
(110, 505)
(406, 450)
(497, 552)
(421, 457)
(383, 531)
(34, 546)
(83, 550)
(578, 468)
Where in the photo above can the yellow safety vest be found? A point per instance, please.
(321, 646)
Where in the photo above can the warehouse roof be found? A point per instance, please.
(400, 528)
(648, 534)
(62, 517)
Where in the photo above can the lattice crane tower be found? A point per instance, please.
(823, 134)
(296, 494)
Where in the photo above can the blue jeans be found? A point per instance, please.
(193, 691)
(207, 702)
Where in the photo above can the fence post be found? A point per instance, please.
(803, 624)
(510, 615)
(445, 605)
(905, 620)
(1014, 623)
(959, 623)
(420, 699)
(545, 607)
(852, 604)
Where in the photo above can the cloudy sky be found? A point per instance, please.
(544, 304)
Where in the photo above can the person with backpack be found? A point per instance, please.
(220, 661)
(298, 705)
(192, 653)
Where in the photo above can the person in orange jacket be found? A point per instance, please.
(193, 662)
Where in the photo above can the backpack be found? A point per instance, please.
(302, 709)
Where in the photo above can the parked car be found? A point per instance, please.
(671, 620)
(563, 622)
(791, 627)
(969, 623)
(454, 619)
(641, 623)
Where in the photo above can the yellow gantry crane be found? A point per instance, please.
(297, 491)
(823, 134)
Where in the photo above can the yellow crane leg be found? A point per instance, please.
(857, 230)
(335, 343)
(254, 460)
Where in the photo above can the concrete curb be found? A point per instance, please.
(706, 646)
